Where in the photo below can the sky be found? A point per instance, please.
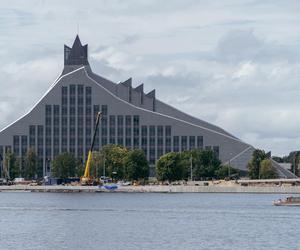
(234, 63)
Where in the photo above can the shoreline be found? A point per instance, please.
(155, 189)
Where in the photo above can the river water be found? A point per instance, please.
(146, 221)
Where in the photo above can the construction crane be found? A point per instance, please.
(86, 179)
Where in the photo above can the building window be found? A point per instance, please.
(48, 121)
(104, 131)
(160, 142)
(88, 90)
(88, 111)
(152, 156)
(88, 100)
(128, 120)
(56, 121)
(152, 130)
(80, 100)
(48, 110)
(88, 121)
(216, 151)
(168, 131)
(72, 89)
(192, 142)
(72, 100)
(72, 111)
(64, 111)
(56, 110)
(104, 141)
(200, 142)
(64, 121)
(112, 120)
(168, 145)
(136, 120)
(120, 132)
(80, 111)
(112, 132)
(64, 91)
(144, 131)
(104, 110)
(183, 143)
(72, 121)
(128, 142)
(120, 121)
(16, 145)
(144, 142)
(160, 131)
(176, 143)
(120, 141)
(80, 89)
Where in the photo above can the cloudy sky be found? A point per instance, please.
(233, 63)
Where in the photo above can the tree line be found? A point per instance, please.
(260, 166)
(120, 163)
(27, 167)
(112, 160)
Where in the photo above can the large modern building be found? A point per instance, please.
(63, 120)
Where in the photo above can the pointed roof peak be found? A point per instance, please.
(77, 41)
(78, 54)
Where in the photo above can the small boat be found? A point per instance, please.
(288, 201)
(110, 187)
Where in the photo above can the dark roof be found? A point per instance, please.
(77, 55)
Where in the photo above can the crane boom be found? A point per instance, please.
(86, 177)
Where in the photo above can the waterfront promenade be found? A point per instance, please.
(232, 188)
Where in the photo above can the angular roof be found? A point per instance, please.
(77, 55)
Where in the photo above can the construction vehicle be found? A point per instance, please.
(87, 179)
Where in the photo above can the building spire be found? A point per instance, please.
(77, 55)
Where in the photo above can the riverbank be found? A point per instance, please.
(156, 189)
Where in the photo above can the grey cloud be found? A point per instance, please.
(233, 63)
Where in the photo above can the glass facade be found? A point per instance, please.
(176, 143)
(88, 119)
(152, 144)
(69, 127)
(200, 142)
(103, 124)
(168, 139)
(136, 131)
(192, 142)
(128, 131)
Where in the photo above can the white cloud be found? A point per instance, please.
(233, 63)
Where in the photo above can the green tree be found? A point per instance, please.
(96, 164)
(223, 171)
(169, 167)
(79, 169)
(113, 159)
(30, 164)
(11, 166)
(186, 158)
(205, 164)
(267, 171)
(136, 165)
(254, 165)
(64, 166)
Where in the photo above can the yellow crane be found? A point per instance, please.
(86, 179)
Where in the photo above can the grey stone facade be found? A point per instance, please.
(64, 118)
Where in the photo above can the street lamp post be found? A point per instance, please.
(104, 167)
(191, 161)
(229, 166)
